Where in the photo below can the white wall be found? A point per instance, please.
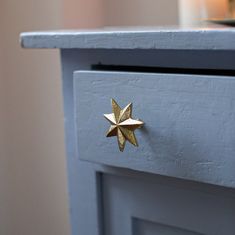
(97, 13)
(3, 182)
(35, 173)
(141, 12)
(83, 13)
(3, 163)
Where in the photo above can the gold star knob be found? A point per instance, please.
(122, 124)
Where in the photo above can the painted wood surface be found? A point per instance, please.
(147, 207)
(189, 122)
(82, 176)
(137, 38)
(85, 178)
(88, 183)
(94, 188)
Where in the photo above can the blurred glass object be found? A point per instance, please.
(231, 8)
(193, 12)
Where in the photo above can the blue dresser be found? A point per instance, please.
(180, 179)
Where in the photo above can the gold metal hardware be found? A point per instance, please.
(122, 124)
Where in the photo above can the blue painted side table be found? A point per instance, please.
(181, 178)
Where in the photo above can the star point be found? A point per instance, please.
(122, 125)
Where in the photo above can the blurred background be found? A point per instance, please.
(33, 183)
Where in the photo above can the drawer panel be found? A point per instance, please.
(189, 129)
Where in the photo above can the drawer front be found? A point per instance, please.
(189, 129)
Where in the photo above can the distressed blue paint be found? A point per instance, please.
(136, 38)
(188, 120)
(147, 203)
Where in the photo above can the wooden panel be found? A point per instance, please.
(189, 123)
(139, 207)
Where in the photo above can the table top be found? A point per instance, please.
(213, 38)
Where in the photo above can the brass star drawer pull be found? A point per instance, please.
(122, 124)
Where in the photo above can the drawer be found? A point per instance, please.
(189, 129)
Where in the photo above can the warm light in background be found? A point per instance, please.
(192, 12)
(231, 8)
